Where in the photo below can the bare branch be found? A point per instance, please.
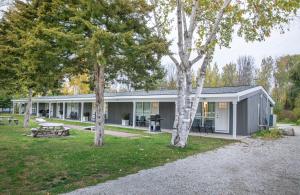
(174, 60)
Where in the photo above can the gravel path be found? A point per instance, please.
(251, 167)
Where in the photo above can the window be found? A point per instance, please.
(223, 105)
(154, 108)
(146, 109)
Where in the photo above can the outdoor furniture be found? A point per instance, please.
(12, 120)
(73, 115)
(7, 118)
(50, 129)
(40, 120)
(154, 124)
(208, 126)
(142, 121)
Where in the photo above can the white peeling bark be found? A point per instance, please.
(186, 107)
(99, 90)
(28, 110)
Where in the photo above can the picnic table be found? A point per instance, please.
(47, 129)
(10, 120)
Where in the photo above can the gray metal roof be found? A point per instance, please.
(214, 90)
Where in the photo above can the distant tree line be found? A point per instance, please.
(280, 77)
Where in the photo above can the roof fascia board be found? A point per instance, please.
(248, 91)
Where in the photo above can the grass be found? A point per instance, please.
(268, 134)
(55, 165)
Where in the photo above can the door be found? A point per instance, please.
(222, 117)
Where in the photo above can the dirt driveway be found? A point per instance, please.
(251, 167)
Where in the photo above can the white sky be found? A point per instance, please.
(276, 45)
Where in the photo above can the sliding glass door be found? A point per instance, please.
(205, 116)
(144, 110)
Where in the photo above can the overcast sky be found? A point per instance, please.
(276, 45)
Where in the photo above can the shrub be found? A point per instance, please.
(298, 122)
(287, 116)
(268, 134)
(126, 116)
(296, 112)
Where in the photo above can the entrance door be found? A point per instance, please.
(222, 117)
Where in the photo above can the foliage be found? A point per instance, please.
(264, 74)
(229, 75)
(5, 102)
(286, 116)
(78, 84)
(245, 70)
(268, 134)
(56, 165)
(33, 54)
(126, 116)
(286, 90)
(213, 77)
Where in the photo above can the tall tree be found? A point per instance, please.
(282, 82)
(264, 75)
(201, 25)
(229, 75)
(245, 70)
(75, 85)
(213, 78)
(31, 51)
(115, 40)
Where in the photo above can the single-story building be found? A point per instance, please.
(239, 110)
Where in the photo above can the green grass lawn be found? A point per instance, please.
(54, 165)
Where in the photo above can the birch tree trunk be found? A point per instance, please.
(186, 106)
(99, 90)
(28, 110)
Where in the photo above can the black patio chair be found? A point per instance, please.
(142, 121)
(208, 126)
(137, 120)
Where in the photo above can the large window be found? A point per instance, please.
(146, 109)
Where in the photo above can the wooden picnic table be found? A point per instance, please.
(10, 119)
(46, 129)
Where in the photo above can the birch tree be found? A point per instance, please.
(201, 26)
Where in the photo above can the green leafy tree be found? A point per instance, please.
(294, 75)
(115, 40)
(229, 75)
(264, 74)
(213, 76)
(203, 25)
(282, 82)
(33, 54)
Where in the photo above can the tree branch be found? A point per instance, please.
(213, 32)
(193, 18)
(179, 30)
